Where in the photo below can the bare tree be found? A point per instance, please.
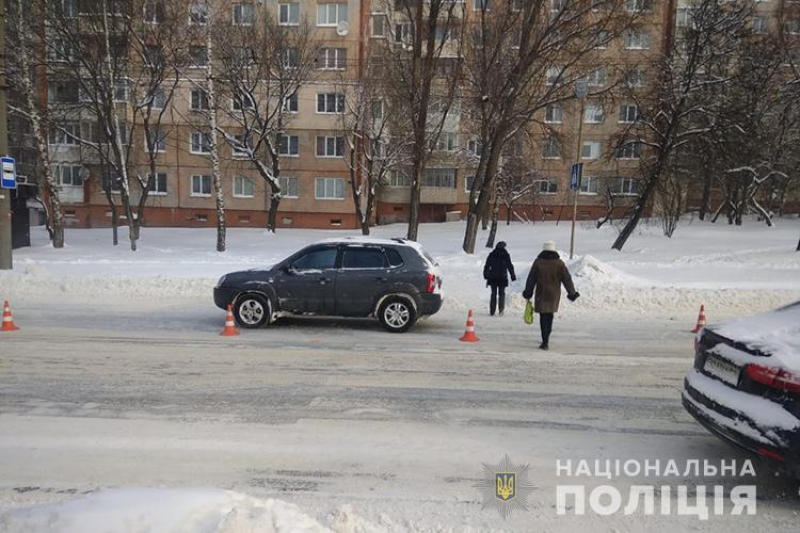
(520, 58)
(375, 140)
(678, 107)
(262, 67)
(421, 65)
(25, 60)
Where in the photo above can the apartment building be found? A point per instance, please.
(315, 181)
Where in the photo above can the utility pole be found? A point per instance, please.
(581, 91)
(5, 194)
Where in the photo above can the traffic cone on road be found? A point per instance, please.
(8, 320)
(701, 320)
(469, 333)
(230, 329)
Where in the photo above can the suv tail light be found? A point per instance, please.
(431, 282)
(777, 378)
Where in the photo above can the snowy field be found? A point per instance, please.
(123, 411)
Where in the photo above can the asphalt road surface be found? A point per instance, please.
(325, 413)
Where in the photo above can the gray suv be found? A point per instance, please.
(394, 280)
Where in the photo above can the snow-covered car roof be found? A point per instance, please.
(363, 239)
(776, 333)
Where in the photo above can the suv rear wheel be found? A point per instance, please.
(252, 311)
(397, 314)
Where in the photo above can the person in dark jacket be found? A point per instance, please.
(547, 275)
(496, 270)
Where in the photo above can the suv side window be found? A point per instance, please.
(363, 258)
(394, 257)
(320, 259)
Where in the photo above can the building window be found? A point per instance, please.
(399, 180)
(289, 187)
(638, 6)
(159, 140)
(159, 184)
(760, 25)
(333, 58)
(468, 181)
(289, 145)
(329, 189)
(444, 178)
(379, 25)
(242, 101)
(548, 186)
(198, 12)
(551, 148)
(554, 75)
(597, 77)
(244, 14)
(154, 11)
(403, 32)
(59, 51)
(69, 175)
(67, 134)
(198, 57)
(68, 8)
(331, 14)
(153, 56)
(474, 147)
(554, 114)
(63, 93)
(243, 187)
(199, 99)
(377, 109)
(330, 103)
(684, 17)
(121, 91)
(593, 113)
(589, 185)
(447, 142)
(630, 150)
(601, 39)
(291, 104)
(590, 150)
(240, 148)
(330, 146)
(201, 143)
(637, 40)
(792, 27)
(624, 186)
(635, 77)
(289, 14)
(291, 58)
(628, 113)
(481, 5)
(159, 98)
(201, 185)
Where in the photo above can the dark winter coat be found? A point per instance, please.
(547, 275)
(497, 268)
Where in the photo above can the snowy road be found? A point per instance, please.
(328, 413)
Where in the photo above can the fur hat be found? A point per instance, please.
(501, 244)
(549, 246)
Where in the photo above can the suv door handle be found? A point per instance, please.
(381, 279)
(323, 281)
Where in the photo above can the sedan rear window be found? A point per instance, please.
(363, 258)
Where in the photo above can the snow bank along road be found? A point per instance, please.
(326, 414)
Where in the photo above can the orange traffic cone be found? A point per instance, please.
(469, 333)
(701, 320)
(8, 320)
(230, 329)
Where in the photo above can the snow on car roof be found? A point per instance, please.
(362, 239)
(776, 333)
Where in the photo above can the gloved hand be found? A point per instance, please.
(574, 296)
(513, 278)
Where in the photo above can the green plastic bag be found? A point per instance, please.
(529, 313)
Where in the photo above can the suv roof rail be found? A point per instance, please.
(401, 240)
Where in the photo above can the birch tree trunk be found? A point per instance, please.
(216, 174)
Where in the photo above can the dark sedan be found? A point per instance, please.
(393, 279)
(745, 384)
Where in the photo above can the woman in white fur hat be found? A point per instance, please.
(547, 275)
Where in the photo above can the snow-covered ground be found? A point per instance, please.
(732, 270)
(119, 401)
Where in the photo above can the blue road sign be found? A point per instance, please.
(575, 176)
(9, 173)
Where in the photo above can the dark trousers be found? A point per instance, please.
(546, 323)
(497, 291)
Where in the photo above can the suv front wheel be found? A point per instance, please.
(397, 314)
(252, 311)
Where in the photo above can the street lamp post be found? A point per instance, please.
(581, 91)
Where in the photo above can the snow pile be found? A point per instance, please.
(163, 511)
